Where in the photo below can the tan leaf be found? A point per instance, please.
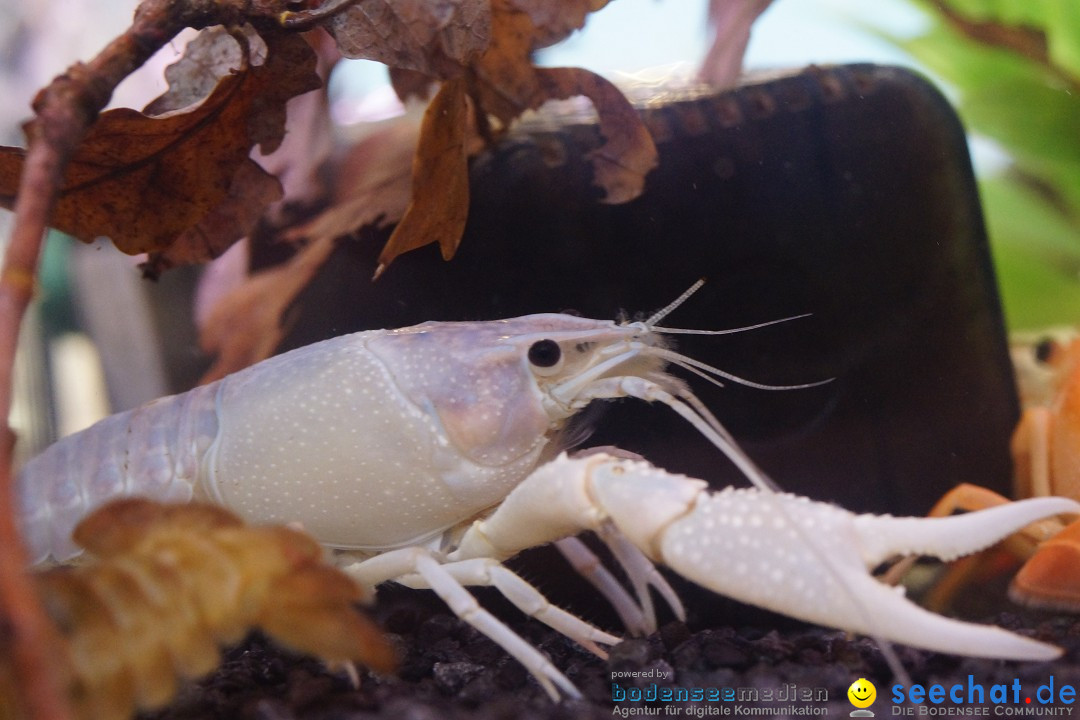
(164, 586)
(411, 83)
(289, 71)
(143, 181)
(309, 138)
(434, 37)
(246, 325)
(440, 180)
(372, 186)
(505, 83)
(493, 41)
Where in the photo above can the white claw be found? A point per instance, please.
(893, 617)
(806, 559)
(742, 543)
(882, 536)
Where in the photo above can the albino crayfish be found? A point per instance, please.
(424, 452)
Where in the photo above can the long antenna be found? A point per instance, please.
(712, 429)
(670, 307)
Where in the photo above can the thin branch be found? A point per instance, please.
(307, 19)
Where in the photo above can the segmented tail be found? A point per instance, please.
(155, 450)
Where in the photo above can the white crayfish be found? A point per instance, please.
(421, 451)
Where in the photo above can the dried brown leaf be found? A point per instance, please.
(507, 84)
(492, 40)
(440, 180)
(250, 192)
(503, 83)
(246, 325)
(309, 139)
(553, 21)
(373, 184)
(210, 56)
(125, 523)
(434, 37)
(628, 153)
(166, 585)
(144, 181)
(289, 71)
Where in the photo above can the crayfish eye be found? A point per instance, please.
(545, 355)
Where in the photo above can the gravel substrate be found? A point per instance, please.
(448, 670)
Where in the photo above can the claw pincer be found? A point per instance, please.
(806, 559)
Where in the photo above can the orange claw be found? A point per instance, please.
(1046, 451)
(1046, 459)
(1051, 578)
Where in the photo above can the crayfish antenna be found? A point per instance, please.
(683, 401)
(671, 306)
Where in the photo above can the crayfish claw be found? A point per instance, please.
(811, 560)
(947, 538)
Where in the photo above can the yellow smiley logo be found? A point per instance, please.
(862, 693)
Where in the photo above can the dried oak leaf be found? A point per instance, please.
(553, 21)
(208, 57)
(165, 586)
(144, 181)
(309, 139)
(246, 325)
(483, 49)
(372, 189)
(440, 180)
(252, 189)
(628, 153)
(434, 37)
(507, 84)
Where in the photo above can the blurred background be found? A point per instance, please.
(1011, 67)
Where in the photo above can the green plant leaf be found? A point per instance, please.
(1037, 255)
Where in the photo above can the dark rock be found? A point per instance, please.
(452, 676)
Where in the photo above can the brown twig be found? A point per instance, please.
(307, 19)
(63, 113)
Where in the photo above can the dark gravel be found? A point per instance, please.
(448, 670)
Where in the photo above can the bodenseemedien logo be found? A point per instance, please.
(862, 694)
